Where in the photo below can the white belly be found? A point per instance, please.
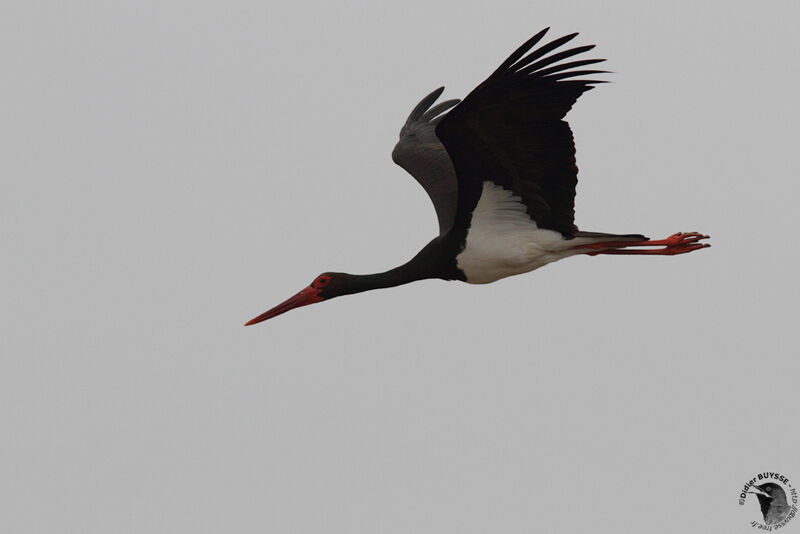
(503, 241)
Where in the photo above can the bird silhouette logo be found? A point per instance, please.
(776, 497)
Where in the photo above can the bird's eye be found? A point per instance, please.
(323, 281)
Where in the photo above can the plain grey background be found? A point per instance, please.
(171, 169)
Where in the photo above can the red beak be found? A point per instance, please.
(309, 295)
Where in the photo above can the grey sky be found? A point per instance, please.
(171, 169)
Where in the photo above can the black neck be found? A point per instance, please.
(436, 260)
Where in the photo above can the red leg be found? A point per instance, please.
(679, 243)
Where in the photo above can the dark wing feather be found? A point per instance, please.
(509, 130)
(421, 153)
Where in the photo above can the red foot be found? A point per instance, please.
(679, 243)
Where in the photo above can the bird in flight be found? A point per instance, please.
(499, 167)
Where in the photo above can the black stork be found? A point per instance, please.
(500, 169)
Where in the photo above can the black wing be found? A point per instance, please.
(421, 153)
(509, 130)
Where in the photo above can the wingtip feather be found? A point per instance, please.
(519, 52)
(423, 105)
(438, 109)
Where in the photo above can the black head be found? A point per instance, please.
(770, 491)
(324, 287)
(331, 285)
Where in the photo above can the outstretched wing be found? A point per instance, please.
(421, 153)
(509, 130)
